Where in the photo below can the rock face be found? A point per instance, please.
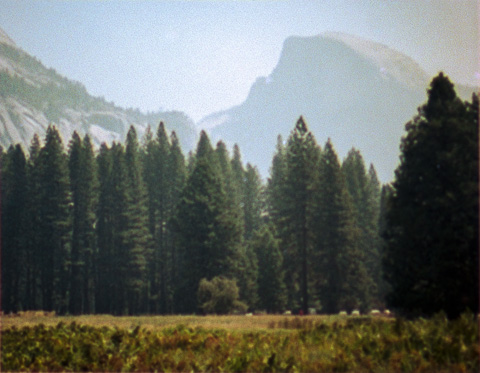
(356, 92)
(32, 97)
(5, 39)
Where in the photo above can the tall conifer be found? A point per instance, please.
(301, 161)
(135, 237)
(14, 230)
(431, 257)
(54, 232)
(83, 189)
(271, 286)
(177, 179)
(207, 232)
(34, 299)
(364, 189)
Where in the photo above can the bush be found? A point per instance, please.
(220, 296)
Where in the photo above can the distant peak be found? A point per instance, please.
(387, 59)
(5, 39)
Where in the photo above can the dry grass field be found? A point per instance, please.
(234, 322)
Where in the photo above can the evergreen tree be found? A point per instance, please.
(385, 198)
(148, 153)
(290, 196)
(83, 190)
(75, 164)
(164, 169)
(252, 201)
(244, 263)
(114, 276)
(34, 254)
(238, 173)
(157, 169)
(54, 223)
(207, 232)
(135, 237)
(14, 230)
(178, 174)
(373, 255)
(431, 258)
(223, 159)
(271, 286)
(339, 273)
(275, 184)
(105, 230)
(364, 196)
(161, 256)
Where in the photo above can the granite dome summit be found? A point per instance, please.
(357, 92)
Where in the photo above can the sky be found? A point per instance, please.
(202, 56)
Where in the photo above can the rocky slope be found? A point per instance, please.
(33, 96)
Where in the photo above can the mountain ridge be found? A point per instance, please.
(357, 92)
(33, 96)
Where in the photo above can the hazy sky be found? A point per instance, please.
(201, 56)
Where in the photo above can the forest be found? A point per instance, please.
(142, 228)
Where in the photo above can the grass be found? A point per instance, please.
(232, 322)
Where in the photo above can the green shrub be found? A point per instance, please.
(220, 296)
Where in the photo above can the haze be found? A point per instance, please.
(202, 56)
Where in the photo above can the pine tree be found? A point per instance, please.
(105, 230)
(177, 178)
(207, 232)
(364, 189)
(385, 198)
(54, 224)
(275, 185)
(75, 164)
(338, 270)
(271, 286)
(34, 255)
(14, 230)
(252, 201)
(238, 172)
(301, 161)
(115, 280)
(243, 262)
(164, 174)
(83, 189)
(373, 258)
(431, 257)
(156, 170)
(148, 153)
(135, 237)
(161, 253)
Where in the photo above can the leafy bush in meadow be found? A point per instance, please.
(349, 345)
(220, 296)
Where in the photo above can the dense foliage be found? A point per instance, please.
(325, 231)
(352, 345)
(431, 255)
(219, 296)
(134, 228)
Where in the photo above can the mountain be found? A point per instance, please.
(357, 92)
(33, 96)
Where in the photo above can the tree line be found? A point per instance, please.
(136, 228)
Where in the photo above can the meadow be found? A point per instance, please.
(267, 343)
